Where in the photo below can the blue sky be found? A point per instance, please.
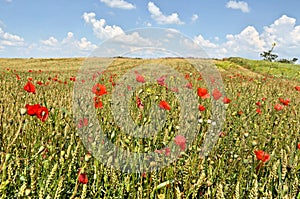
(225, 28)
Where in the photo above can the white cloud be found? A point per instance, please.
(8, 1)
(50, 42)
(160, 18)
(280, 30)
(68, 46)
(69, 38)
(133, 39)
(118, 4)
(204, 43)
(8, 39)
(85, 45)
(247, 40)
(238, 5)
(194, 17)
(286, 34)
(101, 30)
(250, 43)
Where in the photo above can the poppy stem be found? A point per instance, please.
(259, 166)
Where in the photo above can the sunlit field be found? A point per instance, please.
(256, 155)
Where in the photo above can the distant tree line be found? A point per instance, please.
(269, 56)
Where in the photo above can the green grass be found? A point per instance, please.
(290, 71)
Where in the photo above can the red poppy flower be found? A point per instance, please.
(167, 151)
(94, 76)
(258, 111)
(39, 83)
(42, 113)
(98, 103)
(187, 76)
(180, 141)
(158, 151)
(189, 85)
(222, 134)
(29, 78)
(278, 107)
(164, 105)
(32, 109)
(212, 80)
(18, 77)
(139, 103)
(99, 89)
(29, 87)
(297, 88)
(298, 146)
(226, 100)
(140, 78)
(261, 155)
(258, 103)
(129, 88)
(201, 108)
(175, 89)
(82, 177)
(284, 101)
(203, 93)
(216, 94)
(83, 122)
(73, 79)
(161, 81)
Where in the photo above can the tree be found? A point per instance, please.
(287, 61)
(268, 55)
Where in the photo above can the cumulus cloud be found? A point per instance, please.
(8, 39)
(281, 30)
(160, 18)
(50, 42)
(68, 46)
(203, 42)
(84, 44)
(286, 34)
(134, 39)
(250, 43)
(238, 5)
(247, 40)
(101, 30)
(119, 4)
(194, 17)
